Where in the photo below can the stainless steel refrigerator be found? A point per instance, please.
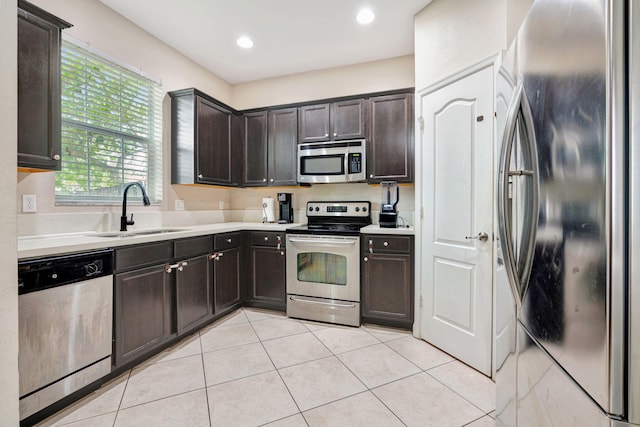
(567, 327)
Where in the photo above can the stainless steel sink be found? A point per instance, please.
(121, 234)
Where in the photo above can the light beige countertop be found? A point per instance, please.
(55, 244)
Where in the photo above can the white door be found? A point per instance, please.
(457, 201)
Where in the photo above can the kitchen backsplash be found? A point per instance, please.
(245, 206)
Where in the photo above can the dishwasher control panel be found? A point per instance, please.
(44, 273)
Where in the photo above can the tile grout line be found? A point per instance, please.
(204, 374)
(279, 375)
(464, 398)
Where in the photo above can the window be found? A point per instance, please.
(111, 130)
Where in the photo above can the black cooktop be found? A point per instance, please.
(335, 218)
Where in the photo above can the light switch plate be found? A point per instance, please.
(29, 203)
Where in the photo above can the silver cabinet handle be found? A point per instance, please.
(272, 180)
(279, 241)
(483, 237)
(200, 176)
(371, 176)
(56, 157)
(386, 244)
(168, 268)
(281, 253)
(370, 246)
(228, 240)
(215, 257)
(264, 179)
(365, 259)
(335, 134)
(266, 238)
(326, 135)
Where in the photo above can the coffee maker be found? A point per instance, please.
(388, 211)
(285, 203)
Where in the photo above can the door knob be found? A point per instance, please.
(483, 237)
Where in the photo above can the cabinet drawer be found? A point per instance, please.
(143, 255)
(227, 241)
(186, 248)
(267, 238)
(384, 243)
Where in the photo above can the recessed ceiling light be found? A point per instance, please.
(245, 42)
(365, 16)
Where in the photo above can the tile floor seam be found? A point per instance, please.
(473, 421)
(277, 371)
(161, 398)
(479, 408)
(206, 389)
(386, 406)
(402, 355)
(122, 397)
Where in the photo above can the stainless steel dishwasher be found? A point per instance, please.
(65, 326)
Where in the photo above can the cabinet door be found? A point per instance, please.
(213, 141)
(314, 123)
(39, 116)
(268, 278)
(390, 146)
(283, 138)
(255, 149)
(387, 289)
(226, 279)
(193, 293)
(348, 119)
(143, 312)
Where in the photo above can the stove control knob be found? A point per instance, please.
(317, 209)
(364, 209)
(357, 209)
(310, 208)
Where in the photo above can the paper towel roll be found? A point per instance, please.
(268, 210)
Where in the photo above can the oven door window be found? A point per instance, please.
(322, 267)
(330, 164)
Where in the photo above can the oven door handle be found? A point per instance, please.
(324, 241)
(322, 302)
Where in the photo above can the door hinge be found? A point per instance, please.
(421, 212)
(421, 121)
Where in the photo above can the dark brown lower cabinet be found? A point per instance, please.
(226, 280)
(387, 280)
(143, 303)
(193, 293)
(268, 278)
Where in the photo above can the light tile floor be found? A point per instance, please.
(257, 367)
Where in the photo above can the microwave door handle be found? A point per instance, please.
(346, 165)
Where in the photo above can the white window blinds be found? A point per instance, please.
(111, 130)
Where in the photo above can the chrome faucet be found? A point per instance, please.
(123, 219)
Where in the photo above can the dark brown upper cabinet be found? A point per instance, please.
(390, 149)
(270, 144)
(39, 111)
(333, 121)
(205, 140)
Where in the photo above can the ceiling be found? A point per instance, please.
(290, 36)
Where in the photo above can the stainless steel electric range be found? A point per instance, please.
(323, 263)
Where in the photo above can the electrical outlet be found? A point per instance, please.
(29, 203)
(179, 204)
(221, 204)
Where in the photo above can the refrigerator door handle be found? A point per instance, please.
(518, 277)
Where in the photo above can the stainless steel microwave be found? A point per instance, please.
(331, 162)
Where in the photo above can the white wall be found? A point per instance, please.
(394, 73)
(108, 32)
(453, 35)
(8, 276)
